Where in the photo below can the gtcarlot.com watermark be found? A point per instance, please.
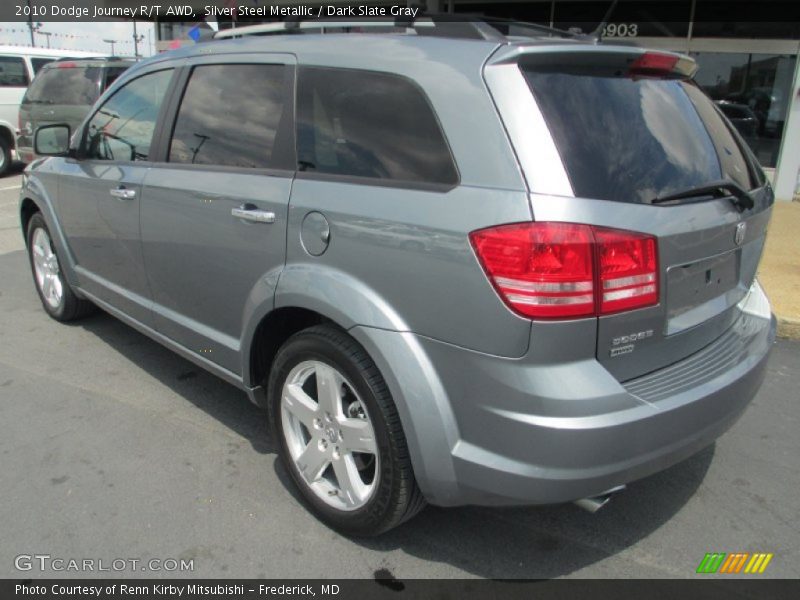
(57, 564)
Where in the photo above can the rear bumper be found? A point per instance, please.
(597, 453)
(541, 434)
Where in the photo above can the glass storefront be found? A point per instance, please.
(754, 91)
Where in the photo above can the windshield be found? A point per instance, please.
(634, 138)
(65, 85)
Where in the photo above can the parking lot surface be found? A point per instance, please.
(113, 447)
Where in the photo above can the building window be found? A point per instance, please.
(765, 19)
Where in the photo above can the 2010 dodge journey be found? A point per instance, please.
(456, 269)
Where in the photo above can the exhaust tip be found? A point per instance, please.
(595, 503)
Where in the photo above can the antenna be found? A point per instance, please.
(597, 34)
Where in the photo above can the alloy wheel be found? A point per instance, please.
(45, 265)
(329, 435)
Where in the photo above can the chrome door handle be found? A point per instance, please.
(123, 193)
(253, 214)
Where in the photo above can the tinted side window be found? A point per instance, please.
(369, 124)
(229, 116)
(12, 72)
(38, 63)
(65, 84)
(112, 74)
(122, 129)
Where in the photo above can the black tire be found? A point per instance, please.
(5, 156)
(396, 497)
(70, 307)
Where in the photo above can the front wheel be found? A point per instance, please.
(57, 297)
(339, 433)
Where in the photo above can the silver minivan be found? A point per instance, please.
(455, 269)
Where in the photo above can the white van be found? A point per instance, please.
(18, 66)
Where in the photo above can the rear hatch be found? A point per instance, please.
(62, 92)
(645, 150)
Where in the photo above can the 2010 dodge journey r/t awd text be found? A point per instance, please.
(455, 269)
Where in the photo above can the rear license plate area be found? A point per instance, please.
(702, 289)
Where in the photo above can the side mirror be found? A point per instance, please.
(52, 140)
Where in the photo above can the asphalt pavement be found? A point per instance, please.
(112, 448)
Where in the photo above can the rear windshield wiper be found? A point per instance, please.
(724, 187)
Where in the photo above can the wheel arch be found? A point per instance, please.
(27, 208)
(307, 294)
(35, 199)
(8, 135)
(269, 335)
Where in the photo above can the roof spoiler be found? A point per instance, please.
(637, 61)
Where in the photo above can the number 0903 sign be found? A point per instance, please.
(621, 30)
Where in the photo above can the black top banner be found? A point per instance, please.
(566, 11)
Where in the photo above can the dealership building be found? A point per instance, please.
(747, 52)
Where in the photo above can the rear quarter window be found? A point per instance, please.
(371, 125)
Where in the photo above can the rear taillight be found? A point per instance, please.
(565, 270)
(628, 270)
(654, 62)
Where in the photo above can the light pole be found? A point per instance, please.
(47, 35)
(112, 42)
(34, 29)
(30, 24)
(136, 39)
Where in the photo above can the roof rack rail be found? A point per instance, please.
(74, 58)
(440, 25)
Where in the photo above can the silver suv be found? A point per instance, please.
(468, 269)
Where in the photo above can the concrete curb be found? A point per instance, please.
(788, 328)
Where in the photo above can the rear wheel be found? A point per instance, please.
(5, 156)
(339, 433)
(58, 299)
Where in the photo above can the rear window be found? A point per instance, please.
(66, 85)
(633, 138)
